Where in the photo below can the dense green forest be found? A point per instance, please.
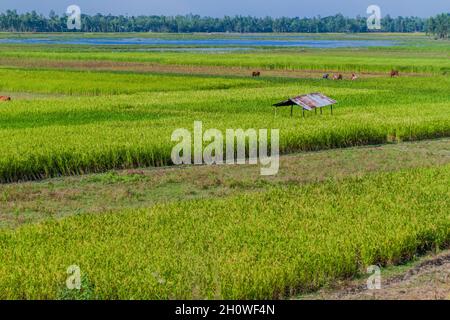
(34, 22)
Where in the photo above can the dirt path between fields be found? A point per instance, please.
(426, 279)
(141, 67)
(144, 187)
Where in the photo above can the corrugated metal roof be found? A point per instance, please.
(308, 101)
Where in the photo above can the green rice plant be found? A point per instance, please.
(47, 136)
(108, 83)
(423, 58)
(255, 246)
(273, 244)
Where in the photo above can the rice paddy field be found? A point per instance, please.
(366, 185)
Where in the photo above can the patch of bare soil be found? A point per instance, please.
(428, 279)
(179, 69)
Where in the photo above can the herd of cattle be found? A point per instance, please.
(339, 76)
(394, 73)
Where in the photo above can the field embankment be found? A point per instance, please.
(35, 201)
(424, 278)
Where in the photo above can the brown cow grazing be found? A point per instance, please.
(5, 98)
(395, 73)
(338, 77)
(256, 74)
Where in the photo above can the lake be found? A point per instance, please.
(245, 41)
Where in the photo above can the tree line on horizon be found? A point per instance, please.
(11, 21)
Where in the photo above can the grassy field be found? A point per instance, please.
(267, 245)
(410, 53)
(381, 60)
(129, 120)
(23, 203)
(149, 231)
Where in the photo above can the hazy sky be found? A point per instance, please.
(220, 8)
